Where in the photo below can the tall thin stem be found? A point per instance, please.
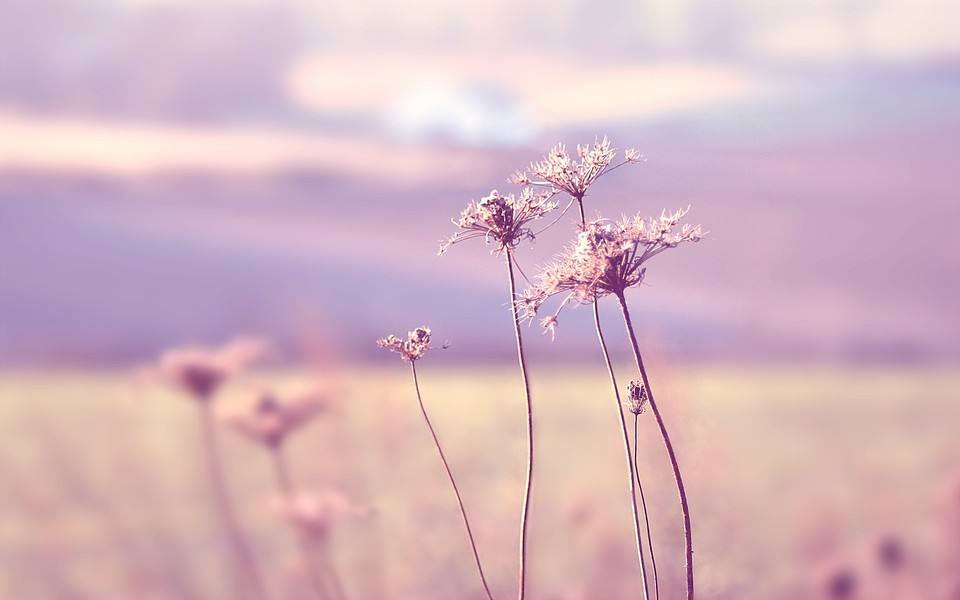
(319, 576)
(524, 515)
(631, 457)
(643, 501)
(281, 471)
(453, 482)
(242, 553)
(688, 536)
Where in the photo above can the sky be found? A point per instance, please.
(186, 171)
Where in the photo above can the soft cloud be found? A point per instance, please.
(138, 148)
(560, 91)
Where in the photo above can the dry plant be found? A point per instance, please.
(504, 221)
(199, 373)
(268, 419)
(607, 258)
(560, 172)
(411, 350)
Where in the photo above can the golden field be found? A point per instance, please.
(792, 472)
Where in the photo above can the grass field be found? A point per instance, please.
(791, 472)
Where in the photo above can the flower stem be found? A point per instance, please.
(242, 553)
(453, 482)
(526, 387)
(643, 502)
(288, 491)
(688, 536)
(631, 457)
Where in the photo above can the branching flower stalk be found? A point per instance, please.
(607, 258)
(199, 373)
(503, 221)
(560, 172)
(411, 350)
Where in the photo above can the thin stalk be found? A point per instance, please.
(688, 536)
(288, 491)
(242, 553)
(643, 501)
(631, 457)
(453, 482)
(521, 358)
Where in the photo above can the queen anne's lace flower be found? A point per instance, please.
(559, 171)
(607, 258)
(502, 220)
(411, 349)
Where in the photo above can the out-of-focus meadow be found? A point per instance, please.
(178, 172)
(793, 474)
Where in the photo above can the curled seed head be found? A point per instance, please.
(636, 397)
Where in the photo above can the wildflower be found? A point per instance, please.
(637, 398)
(268, 418)
(607, 258)
(312, 515)
(411, 349)
(200, 372)
(417, 343)
(501, 219)
(559, 171)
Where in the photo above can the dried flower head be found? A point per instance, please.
(201, 371)
(312, 515)
(502, 220)
(268, 418)
(559, 171)
(413, 348)
(637, 397)
(607, 258)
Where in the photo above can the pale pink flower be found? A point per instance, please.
(561, 172)
(607, 258)
(200, 371)
(501, 220)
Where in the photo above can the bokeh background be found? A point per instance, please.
(177, 171)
